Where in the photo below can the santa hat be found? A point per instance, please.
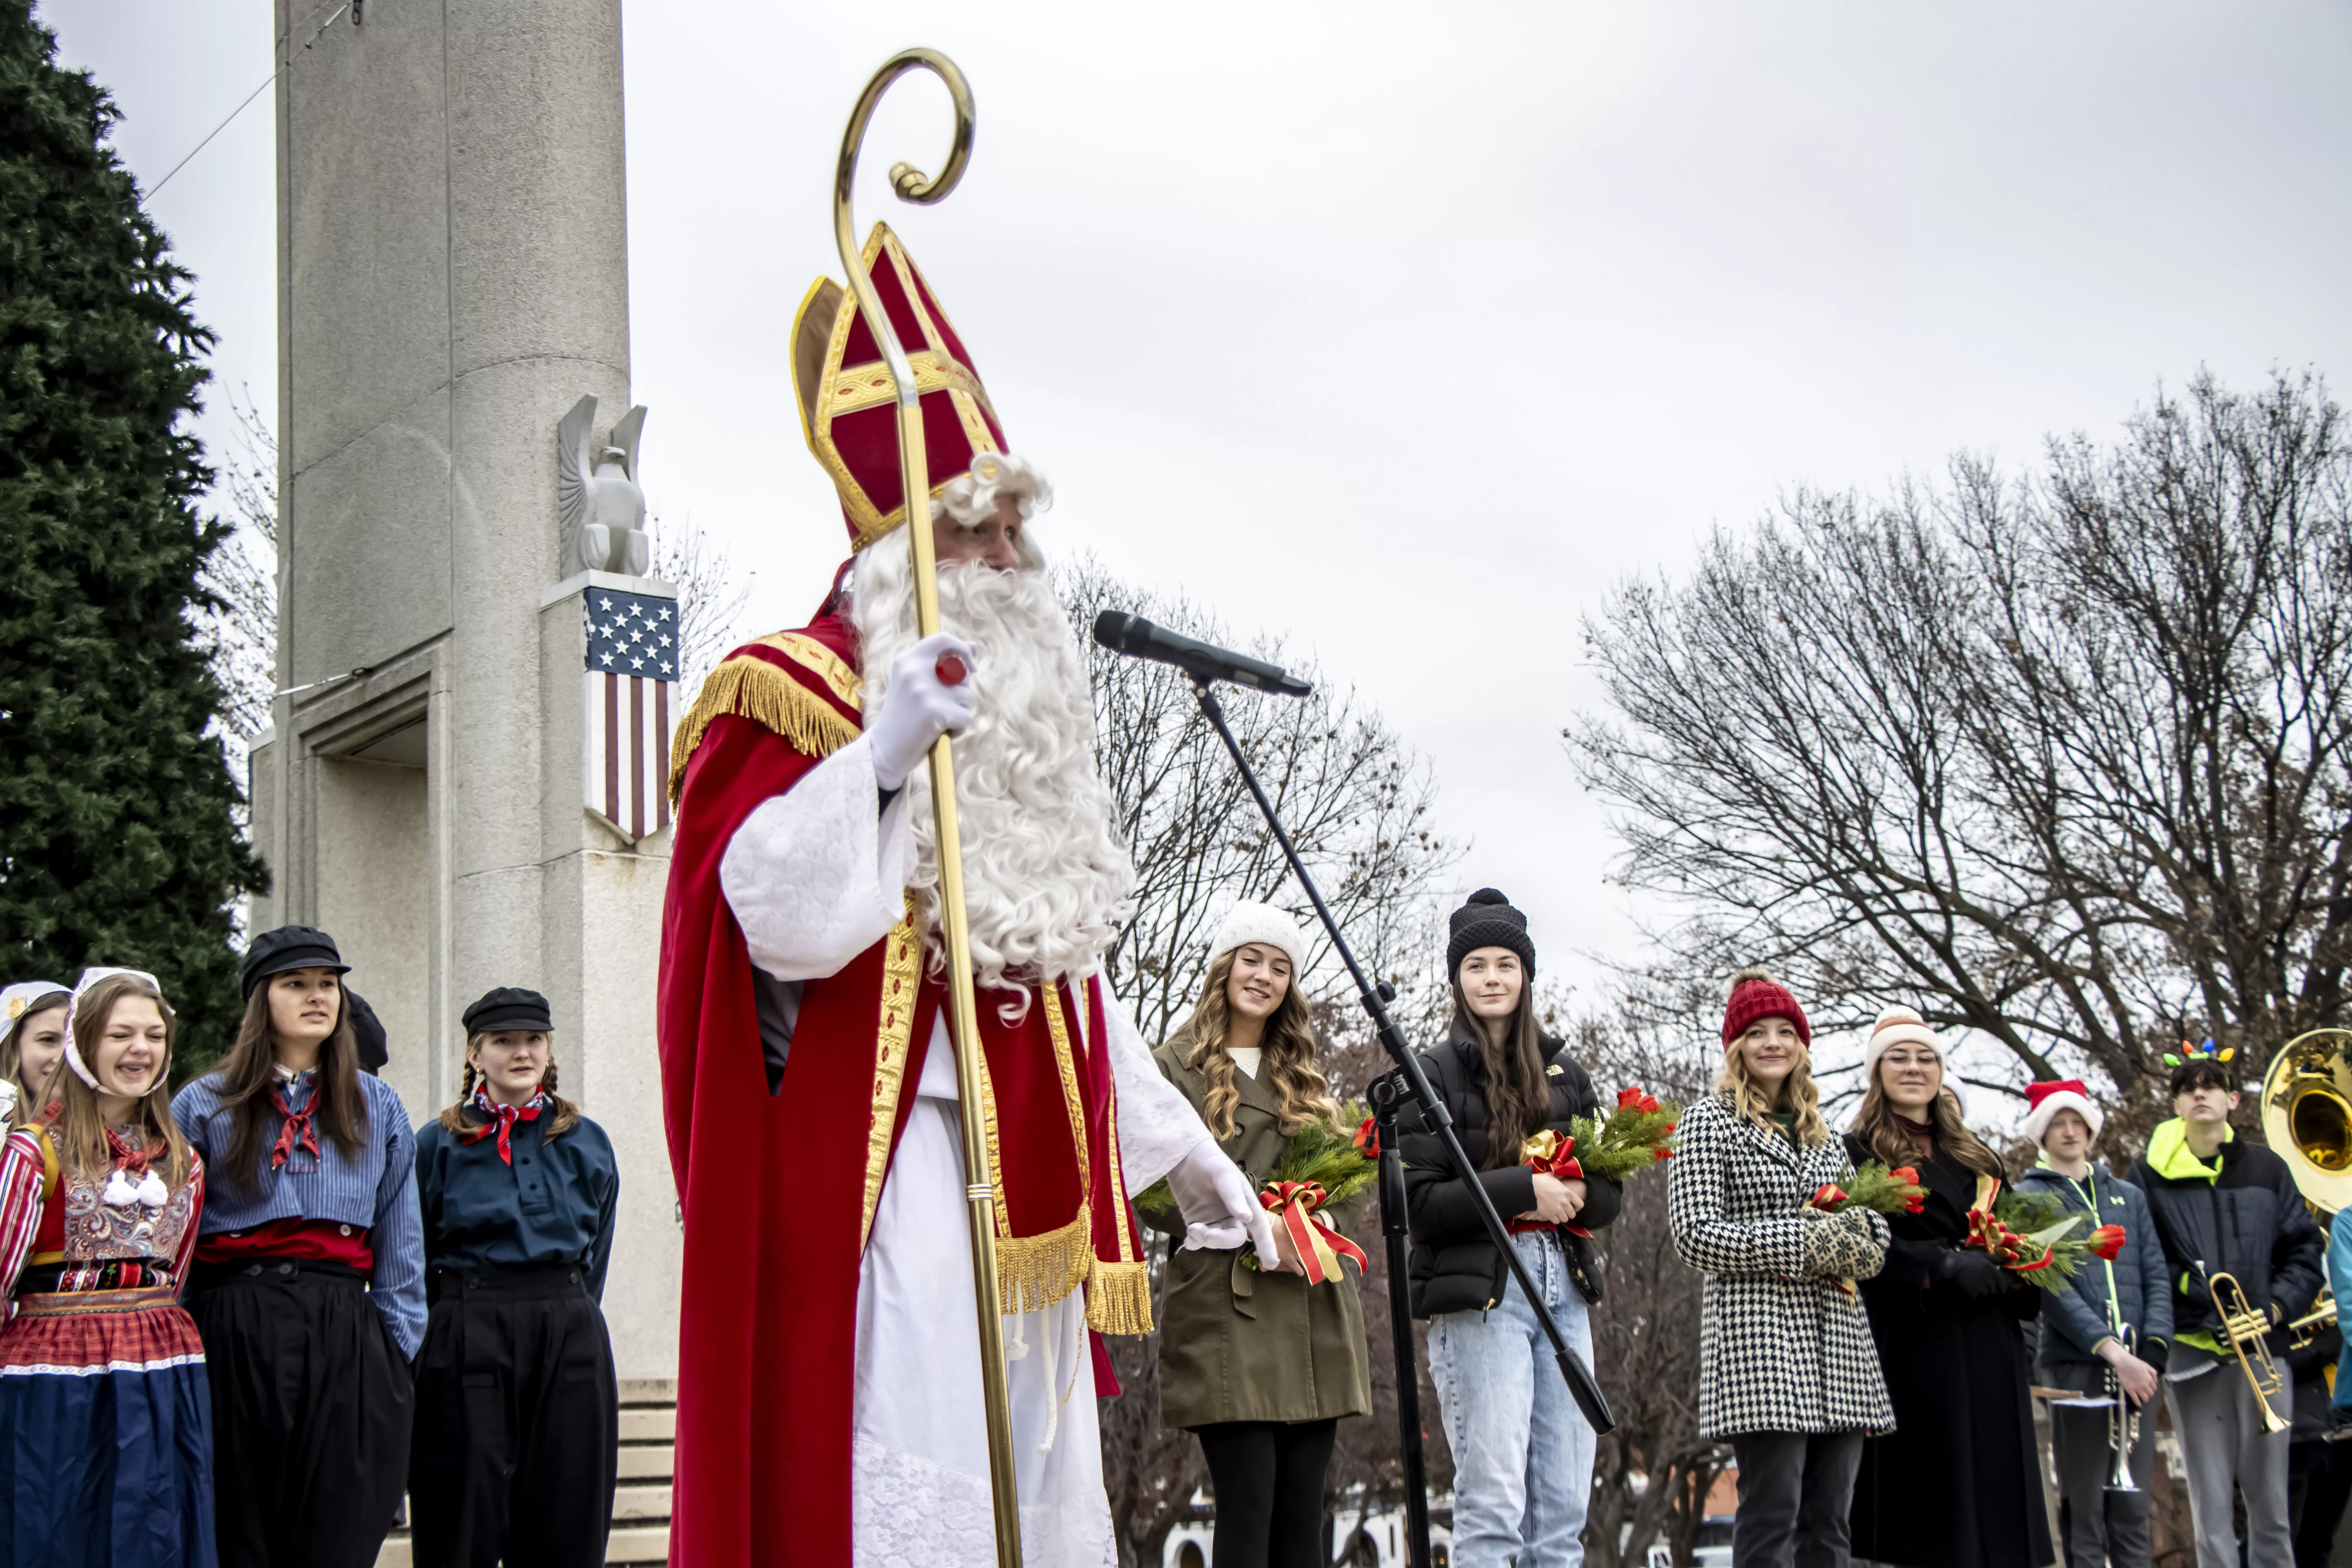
(1756, 995)
(1896, 1026)
(1248, 923)
(2045, 1101)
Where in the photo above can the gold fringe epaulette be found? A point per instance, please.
(767, 696)
(1035, 1271)
(1119, 1298)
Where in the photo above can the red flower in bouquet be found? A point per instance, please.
(1910, 1177)
(1636, 1098)
(1368, 1139)
(2107, 1240)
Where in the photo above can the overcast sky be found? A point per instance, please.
(1408, 332)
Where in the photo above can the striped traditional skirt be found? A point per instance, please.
(105, 1433)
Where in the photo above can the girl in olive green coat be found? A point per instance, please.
(1260, 1366)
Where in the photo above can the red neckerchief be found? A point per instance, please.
(298, 1132)
(502, 1118)
(134, 1161)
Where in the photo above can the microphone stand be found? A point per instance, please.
(1387, 1094)
(1581, 1385)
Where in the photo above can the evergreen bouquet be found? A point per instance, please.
(1873, 1186)
(1339, 1164)
(2034, 1234)
(1632, 1137)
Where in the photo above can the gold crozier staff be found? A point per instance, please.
(914, 478)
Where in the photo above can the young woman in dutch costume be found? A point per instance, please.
(1958, 1484)
(1522, 1452)
(105, 1421)
(518, 1192)
(309, 1284)
(32, 1043)
(1260, 1366)
(1787, 1373)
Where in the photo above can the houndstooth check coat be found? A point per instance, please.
(1780, 1350)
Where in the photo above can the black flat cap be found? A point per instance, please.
(375, 1046)
(509, 1007)
(288, 947)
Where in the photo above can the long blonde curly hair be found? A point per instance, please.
(1798, 1093)
(1300, 1089)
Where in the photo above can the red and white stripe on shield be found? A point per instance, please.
(625, 762)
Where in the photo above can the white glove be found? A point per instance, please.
(1220, 1209)
(918, 708)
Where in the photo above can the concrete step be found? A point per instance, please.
(650, 1463)
(641, 1505)
(650, 1424)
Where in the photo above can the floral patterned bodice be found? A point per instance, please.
(96, 1231)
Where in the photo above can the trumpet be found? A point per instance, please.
(2123, 1425)
(2244, 1327)
(2301, 1331)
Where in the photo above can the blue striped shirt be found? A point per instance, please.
(378, 1190)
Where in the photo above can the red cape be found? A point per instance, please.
(777, 1188)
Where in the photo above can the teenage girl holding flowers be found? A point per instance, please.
(1260, 1366)
(1787, 1373)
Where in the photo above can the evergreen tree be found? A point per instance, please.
(117, 842)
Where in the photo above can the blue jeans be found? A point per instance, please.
(1522, 1450)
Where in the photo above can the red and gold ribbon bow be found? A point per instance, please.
(1319, 1248)
(1828, 1196)
(1988, 1234)
(1550, 1154)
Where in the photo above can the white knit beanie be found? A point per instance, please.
(1249, 922)
(1895, 1025)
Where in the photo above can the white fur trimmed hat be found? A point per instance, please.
(1248, 923)
(1895, 1025)
(2045, 1101)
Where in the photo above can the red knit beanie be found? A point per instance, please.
(1756, 995)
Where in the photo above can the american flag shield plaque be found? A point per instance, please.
(630, 696)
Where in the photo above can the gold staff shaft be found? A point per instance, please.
(914, 476)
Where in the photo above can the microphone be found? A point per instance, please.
(1122, 632)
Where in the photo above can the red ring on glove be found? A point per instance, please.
(950, 670)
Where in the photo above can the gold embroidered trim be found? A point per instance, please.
(899, 961)
(870, 386)
(761, 692)
(802, 649)
(1035, 1271)
(1120, 1216)
(1119, 1298)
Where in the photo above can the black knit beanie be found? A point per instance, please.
(1487, 920)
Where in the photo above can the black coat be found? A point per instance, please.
(1957, 1483)
(2250, 1221)
(1455, 1267)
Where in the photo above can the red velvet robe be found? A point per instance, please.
(779, 1191)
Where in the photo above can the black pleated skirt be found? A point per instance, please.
(518, 1423)
(311, 1411)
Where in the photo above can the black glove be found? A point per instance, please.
(1975, 1273)
(2157, 1353)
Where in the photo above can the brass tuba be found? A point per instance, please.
(2307, 1121)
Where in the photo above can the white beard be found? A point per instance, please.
(1046, 879)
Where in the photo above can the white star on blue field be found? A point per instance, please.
(630, 634)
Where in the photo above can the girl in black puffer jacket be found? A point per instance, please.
(1522, 1452)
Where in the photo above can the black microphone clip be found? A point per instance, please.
(1132, 635)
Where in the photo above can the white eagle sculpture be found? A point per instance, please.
(601, 505)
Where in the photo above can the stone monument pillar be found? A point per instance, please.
(452, 281)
